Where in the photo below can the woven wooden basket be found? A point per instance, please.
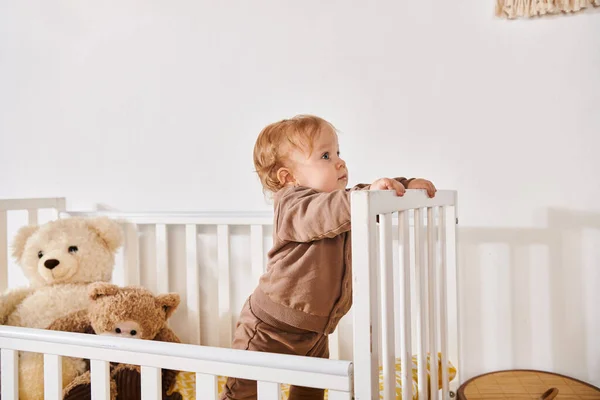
(526, 384)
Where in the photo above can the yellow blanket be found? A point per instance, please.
(186, 381)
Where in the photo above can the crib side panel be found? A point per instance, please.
(405, 284)
(206, 363)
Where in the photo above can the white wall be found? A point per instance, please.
(155, 105)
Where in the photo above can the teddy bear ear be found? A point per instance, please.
(18, 245)
(110, 231)
(168, 302)
(102, 289)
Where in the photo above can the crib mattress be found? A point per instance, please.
(186, 381)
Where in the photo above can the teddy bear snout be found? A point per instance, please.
(130, 329)
(51, 264)
(55, 267)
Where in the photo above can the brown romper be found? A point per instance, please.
(307, 287)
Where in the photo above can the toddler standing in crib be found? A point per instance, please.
(307, 288)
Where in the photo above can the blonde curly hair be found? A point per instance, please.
(275, 141)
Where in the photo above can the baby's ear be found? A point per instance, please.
(109, 230)
(102, 289)
(168, 302)
(285, 177)
(18, 245)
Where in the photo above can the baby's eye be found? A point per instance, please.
(325, 156)
(40, 254)
(73, 249)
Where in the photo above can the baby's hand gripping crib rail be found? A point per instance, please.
(391, 237)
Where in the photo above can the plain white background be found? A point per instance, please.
(156, 106)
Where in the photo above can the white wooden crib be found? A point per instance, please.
(213, 260)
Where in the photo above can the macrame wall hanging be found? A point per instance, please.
(534, 8)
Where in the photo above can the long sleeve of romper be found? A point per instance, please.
(304, 214)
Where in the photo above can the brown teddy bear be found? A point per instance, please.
(131, 312)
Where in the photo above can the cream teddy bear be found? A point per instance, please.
(60, 259)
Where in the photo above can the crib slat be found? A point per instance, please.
(151, 383)
(268, 390)
(100, 380)
(52, 377)
(206, 387)
(32, 216)
(421, 293)
(162, 262)
(193, 284)
(431, 283)
(443, 303)
(334, 345)
(132, 255)
(405, 306)
(387, 305)
(3, 251)
(257, 249)
(225, 328)
(365, 313)
(10, 374)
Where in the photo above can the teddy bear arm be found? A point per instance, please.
(77, 385)
(77, 322)
(10, 300)
(80, 388)
(169, 377)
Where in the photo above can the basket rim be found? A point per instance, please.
(461, 395)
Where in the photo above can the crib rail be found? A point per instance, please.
(375, 308)
(269, 370)
(182, 218)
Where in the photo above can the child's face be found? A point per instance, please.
(323, 169)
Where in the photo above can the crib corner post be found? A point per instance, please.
(364, 280)
(457, 293)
